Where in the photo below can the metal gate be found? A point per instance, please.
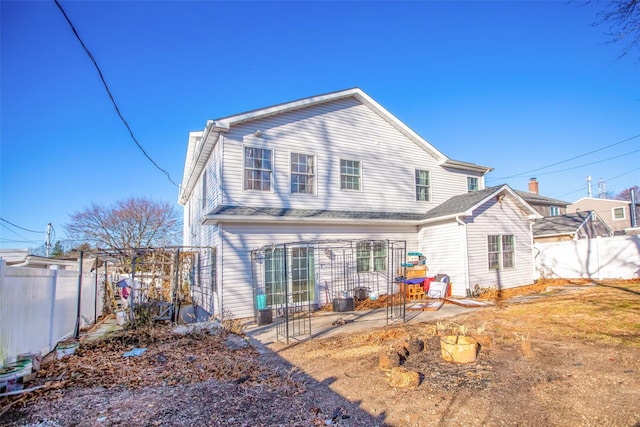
(291, 280)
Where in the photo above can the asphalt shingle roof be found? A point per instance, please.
(461, 203)
(557, 225)
(536, 198)
(313, 213)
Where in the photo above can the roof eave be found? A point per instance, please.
(229, 219)
(471, 167)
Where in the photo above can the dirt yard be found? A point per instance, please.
(568, 357)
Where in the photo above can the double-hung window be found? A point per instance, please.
(423, 185)
(350, 174)
(258, 169)
(303, 173)
(472, 184)
(371, 254)
(501, 251)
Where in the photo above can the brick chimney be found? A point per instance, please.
(533, 185)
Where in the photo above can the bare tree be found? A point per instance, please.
(626, 193)
(623, 20)
(130, 223)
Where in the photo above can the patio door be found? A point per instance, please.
(300, 288)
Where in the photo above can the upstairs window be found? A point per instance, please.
(618, 213)
(302, 173)
(258, 169)
(350, 175)
(554, 211)
(472, 184)
(423, 185)
(501, 251)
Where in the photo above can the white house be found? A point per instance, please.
(340, 167)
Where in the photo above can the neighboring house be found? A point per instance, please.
(334, 167)
(615, 213)
(573, 226)
(545, 206)
(23, 258)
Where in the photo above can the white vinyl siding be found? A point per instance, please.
(423, 186)
(238, 241)
(500, 218)
(340, 130)
(204, 189)
(443, 248)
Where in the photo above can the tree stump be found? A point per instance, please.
(389, 359)
(400, 377)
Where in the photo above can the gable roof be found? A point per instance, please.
(201, 143)
(465, 204)
(541, 200)
(568, 224)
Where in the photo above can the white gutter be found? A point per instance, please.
(466, 254)
(446, 217)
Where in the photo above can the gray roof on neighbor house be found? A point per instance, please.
(240, 211)
(560, 225)
(461, 203)
(541, 200)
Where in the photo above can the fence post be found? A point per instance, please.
(52, 312)
(76, 331)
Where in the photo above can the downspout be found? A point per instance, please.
(533, 257)
(466, 256)
(634, 219)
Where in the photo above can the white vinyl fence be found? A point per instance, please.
(38, 308)
(615, 257)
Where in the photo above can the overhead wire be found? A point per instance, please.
(606, 179)
(18, 234)
(21, 228)
(568, 160)
(113, 101)
(590, 164)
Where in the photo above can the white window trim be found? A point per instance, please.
(359, 190)
(315, 175)
(477, 183)
(415, 186)
(613, 213)
(273, 169)
(500, 252)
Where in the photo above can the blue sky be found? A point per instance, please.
(512, 85)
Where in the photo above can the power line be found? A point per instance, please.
(21, 228)
(568, 160)
(18, 234)
(606, 179)
(590, 164)
(113, 101)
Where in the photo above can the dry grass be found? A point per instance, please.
(608, 313)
